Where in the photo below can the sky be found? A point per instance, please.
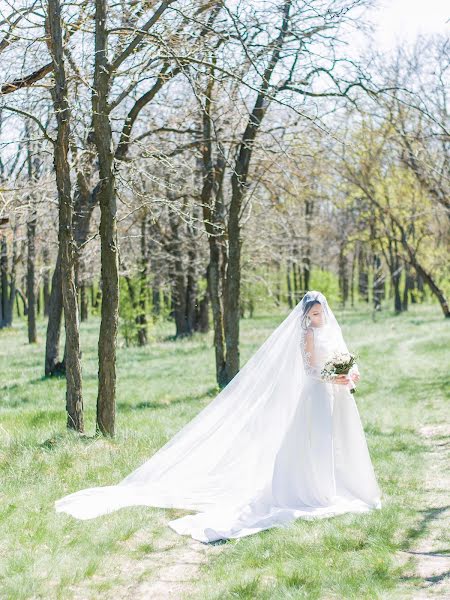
(403, 20)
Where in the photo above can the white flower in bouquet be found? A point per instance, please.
(340, 363)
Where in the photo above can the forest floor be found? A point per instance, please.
(400, 551)
(428, 553)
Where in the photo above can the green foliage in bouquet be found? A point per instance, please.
(339, 364)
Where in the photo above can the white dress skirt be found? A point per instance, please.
(317, 472)
(276, 444)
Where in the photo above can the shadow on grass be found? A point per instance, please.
(428, 516)
(438, 578)
(125, 407)
(432, 580)
(61, 438)
(442, 553)
(37, 380)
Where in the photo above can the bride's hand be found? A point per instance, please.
(355, 377)
(341, 379)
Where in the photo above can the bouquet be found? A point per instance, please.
(340, 363)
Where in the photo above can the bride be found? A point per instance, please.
(278, 443)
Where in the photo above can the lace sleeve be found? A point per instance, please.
(309, 359)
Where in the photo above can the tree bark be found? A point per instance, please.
(84, 204)
(31, 277)
(141, 300)
(289, 284)
(393, 260)
(4, 287)
(407, 287)
(398, 308)
(309, 209)
(378, 282)
(84, 308)
(209, 199)
(45, 281)
(74, 397)
(191, 282)
(202, 309)
(106, 398)
(53, 366)
(31, 253)
(343, 276)
(156, 292)
(363, 275)
(7, 281)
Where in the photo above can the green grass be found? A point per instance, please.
(405, 374)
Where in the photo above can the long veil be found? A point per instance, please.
(222, 463)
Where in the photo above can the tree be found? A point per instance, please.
(74, 397)
(392, 195)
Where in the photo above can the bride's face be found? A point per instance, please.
(315, 315)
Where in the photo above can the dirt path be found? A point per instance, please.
(429, 551)
(167, 570)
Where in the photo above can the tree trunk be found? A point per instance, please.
(352, 279)
(295, 274)
(396, 272)
(278, 284)
(202, 309)
(31, 278)
(31, 254)
(7, 282)
(74, 398)
(106, 398)
(53, 366)
(309, 210)
(46, 281)
(210, 202)
(289, 284)
(156, 294)
(4, 287)
(141, 319)
(191, 286)
(378, 282)
(84, 310)
(233, 277)
(18, 305)
(343, 276)
(407, 287)
(177, 279)
(214, 288)
(85, 202)
(363, 275)
(397, 299)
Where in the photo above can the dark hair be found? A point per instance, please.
(306, 308)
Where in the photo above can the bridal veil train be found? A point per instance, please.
(276, 444)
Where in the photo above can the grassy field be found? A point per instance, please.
(404, 362)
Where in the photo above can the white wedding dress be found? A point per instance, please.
(278, 443)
